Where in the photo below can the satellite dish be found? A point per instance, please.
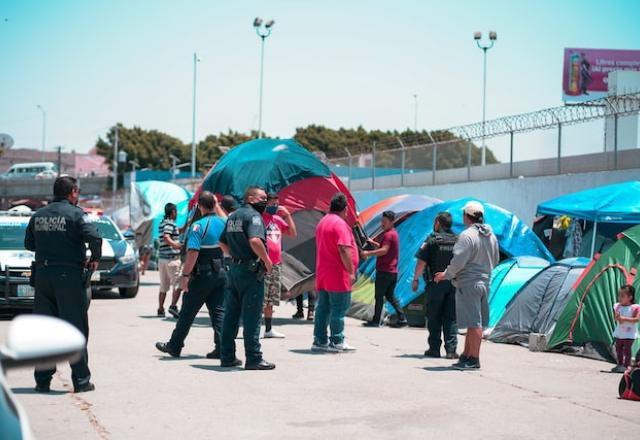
(6, 141)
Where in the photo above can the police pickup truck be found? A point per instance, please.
(15, 262)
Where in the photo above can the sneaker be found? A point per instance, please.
(469, 364)
(273, 334)
(84, 388)
(234, 363)
(310, 315)
(260, 366)
(462, 360)
(400, 324)
(161, 313)
(432, 354)
(343, 347)
(298, 315)
(452, 355)
(618, 369)
(372, 324)
(323, 348)
(215, 354)
(166, 348)
(173, 311)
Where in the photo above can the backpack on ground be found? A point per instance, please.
(629, 388)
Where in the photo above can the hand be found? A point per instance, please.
(352, 278)
(372, 241)
(92, 265)
(364, 255)
(268, 266)
(283, 212)
(438, 277)
(414, 285)
(184, 284)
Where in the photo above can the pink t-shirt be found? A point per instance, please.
(275, 226)
(331, 275)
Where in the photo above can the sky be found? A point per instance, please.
(91, 64)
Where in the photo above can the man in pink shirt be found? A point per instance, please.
(336, 265)
(277, 221)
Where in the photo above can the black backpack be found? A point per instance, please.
(629, 388)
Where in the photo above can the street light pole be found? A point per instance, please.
(263, 32)
(493, 36)
(44, 129)
(415, 113)
(193, 121)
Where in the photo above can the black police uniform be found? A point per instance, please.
(437, 252)
(244, 295)
(57, 234)
(206, 285)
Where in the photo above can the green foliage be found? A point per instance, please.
(152, 148)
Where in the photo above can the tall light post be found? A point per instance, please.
(263, 31)
(415, 113)
(477, 36)
(193, 121)
(44, 129)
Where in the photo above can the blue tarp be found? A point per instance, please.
(618, 203)
(514, 237)
(507, 279)
(148, 200)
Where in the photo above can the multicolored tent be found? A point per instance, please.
(587, 318)
(403, 206)
(514, 237)
(147, 207)
(305, 186)
(507, 279)
(536, 307)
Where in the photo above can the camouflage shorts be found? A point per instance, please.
(272, 287)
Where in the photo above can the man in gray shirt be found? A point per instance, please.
(475, 254)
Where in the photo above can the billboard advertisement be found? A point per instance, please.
(585, 71)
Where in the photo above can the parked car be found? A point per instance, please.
(118, 267)
(33, 340)
(15, 261)
(47, 174)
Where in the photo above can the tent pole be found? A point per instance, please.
(593, 240)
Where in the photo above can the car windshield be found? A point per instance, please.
(107, 229)
(12, 236)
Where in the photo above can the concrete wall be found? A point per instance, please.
(26, 188)
(519, 195)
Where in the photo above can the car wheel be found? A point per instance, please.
(129, 292)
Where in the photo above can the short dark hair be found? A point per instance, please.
(479, 218)
(338, 202)
(272, 196)
(63, 186)
(630, 290)
(169, 209)
(444, 219)
(389, 215)
(207, 200)
(229, 204)
(251, 191)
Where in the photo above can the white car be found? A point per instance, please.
(15, 261)
(33, 340)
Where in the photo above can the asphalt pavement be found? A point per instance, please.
(384, 390)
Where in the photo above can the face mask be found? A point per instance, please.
(259, 206)
(272, 210)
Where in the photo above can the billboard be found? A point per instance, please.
(585, 71)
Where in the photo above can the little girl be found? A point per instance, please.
(627, 315)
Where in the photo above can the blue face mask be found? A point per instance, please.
(272, 210)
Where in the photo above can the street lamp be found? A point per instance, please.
(44, 129)
(193, 122)
(415, 113)
(477, 36)
(263, 31)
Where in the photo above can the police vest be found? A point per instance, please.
(439, 253)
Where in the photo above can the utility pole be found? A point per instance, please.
(193, 122)
(114, 185)
(59, 160)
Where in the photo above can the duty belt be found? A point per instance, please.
(47, 263)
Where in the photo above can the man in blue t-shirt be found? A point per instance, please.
(203, 278)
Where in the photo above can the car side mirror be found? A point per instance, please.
(129, 235)
(41, 341)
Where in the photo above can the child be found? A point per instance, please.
(627, 315)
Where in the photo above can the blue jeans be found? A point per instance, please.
(330, 311)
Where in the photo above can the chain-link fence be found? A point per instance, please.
(595, 136)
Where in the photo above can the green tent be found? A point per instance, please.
(588, 316)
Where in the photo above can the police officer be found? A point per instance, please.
(57, 234)
(435, 254)
(203, 278)
(244, 238)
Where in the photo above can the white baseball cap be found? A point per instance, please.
(473, 208)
